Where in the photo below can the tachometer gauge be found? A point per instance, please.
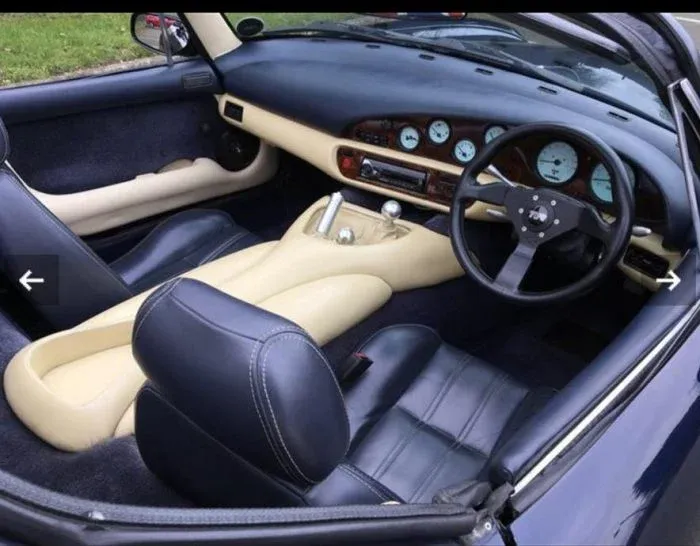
(601, 183)
(464, 151)
(439, 131)
(493, 132)
(557, 162)
(409, 138)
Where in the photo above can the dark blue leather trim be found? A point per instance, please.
(305, 81)
(159, 83)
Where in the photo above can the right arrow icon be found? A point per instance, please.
(671, 279)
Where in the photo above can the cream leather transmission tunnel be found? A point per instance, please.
(76, 388)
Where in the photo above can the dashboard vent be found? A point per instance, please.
(547, 90)
(372, 46)
(618, 116)
(426, 57)
(484, 71)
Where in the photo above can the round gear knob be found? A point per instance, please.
(391, 210)
(346, 236)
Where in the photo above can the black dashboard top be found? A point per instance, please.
(332, 84)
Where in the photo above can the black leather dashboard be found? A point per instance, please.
(331, 84)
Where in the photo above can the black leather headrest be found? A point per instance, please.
(252, 380)
(4, 143)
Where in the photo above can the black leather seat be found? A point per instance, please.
(245, 410)
(182, 242)
(32, 238)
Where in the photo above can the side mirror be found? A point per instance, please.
(161, 33)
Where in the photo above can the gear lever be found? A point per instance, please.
(391, 211)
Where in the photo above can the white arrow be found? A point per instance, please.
(26, 280)
(672, 279)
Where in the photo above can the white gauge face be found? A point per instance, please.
(464, 151)
(601, 183)
(557, 162)
(409, 138)
(493, 132)
(439, 131)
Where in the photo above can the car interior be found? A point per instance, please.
(290, 272)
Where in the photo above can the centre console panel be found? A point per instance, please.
(419, 181)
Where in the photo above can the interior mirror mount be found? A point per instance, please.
(162, 33)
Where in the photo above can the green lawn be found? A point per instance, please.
(37, 46)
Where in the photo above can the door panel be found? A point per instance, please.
(106, 151)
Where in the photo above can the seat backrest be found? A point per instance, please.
(77, 284)
(242, 408)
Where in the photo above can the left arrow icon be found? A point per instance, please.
(27, 280)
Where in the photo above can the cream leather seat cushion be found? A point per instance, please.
(76, 388)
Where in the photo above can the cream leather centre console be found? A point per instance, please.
(76, 388)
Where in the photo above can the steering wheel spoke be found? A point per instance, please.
(494, 193)
(590, 223)
(516, 267)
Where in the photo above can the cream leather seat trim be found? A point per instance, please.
(76, 388)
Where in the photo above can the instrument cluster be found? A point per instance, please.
(536, 161)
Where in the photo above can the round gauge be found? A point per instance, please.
(464, 151)
(601, 183)
(439, 131)
(493, 132)
(557, 162)
(409, 138)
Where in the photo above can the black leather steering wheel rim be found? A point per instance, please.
(542, 214)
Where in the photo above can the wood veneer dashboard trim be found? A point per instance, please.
(321, 150)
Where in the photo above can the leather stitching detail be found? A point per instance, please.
(427, 414)
(360, 478)
(254, 389)
(366, 342)
(148, 306)
(495, 385)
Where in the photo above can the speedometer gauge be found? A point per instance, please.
(557, 162)
(409, 138)
(439, 131)
(464, 151)
(601, 181)
(493, 132)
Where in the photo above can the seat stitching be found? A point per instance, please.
(229, 241)
(280, 438)
(157, 231)
(429, 412)
(366, 342)
(64, 228)
(293, 337)
(252, 379)
(149, 306)
(495, 385)
(361, 480)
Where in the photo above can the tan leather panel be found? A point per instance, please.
(76, 388)
(215, 35)
(177, 185)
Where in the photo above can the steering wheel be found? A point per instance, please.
(539, 215)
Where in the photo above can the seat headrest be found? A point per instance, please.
(252, 380)
(4, 143)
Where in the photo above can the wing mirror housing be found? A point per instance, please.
(162, 33)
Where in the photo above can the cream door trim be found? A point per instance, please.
(213, 32)
(76, 388)
(100, 209)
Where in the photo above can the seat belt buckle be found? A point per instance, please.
(354, 366)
